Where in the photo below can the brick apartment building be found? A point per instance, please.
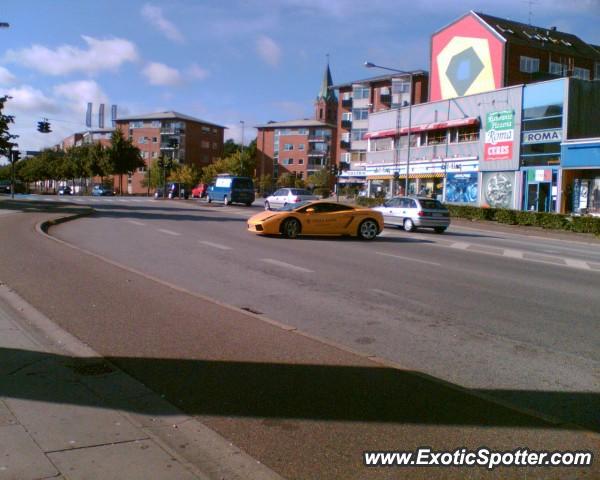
(186, 139)
(478, 53)
(300, 147)
(357, 99)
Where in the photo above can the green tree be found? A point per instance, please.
(186, 174)
(238, 163)
(230, 147)
(124, 157)
(321, 182)
(264, 183)
(153, 177)
(6, 138)
(98, 162)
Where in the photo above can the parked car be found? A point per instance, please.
(177, 190)
(159, 192)
(287, 196)
(415, 212)
(102, 191)
(4, 186)
(199, 191)
(65, 190)
(230, 189)
(318, 218)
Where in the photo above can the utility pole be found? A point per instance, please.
(242, 150)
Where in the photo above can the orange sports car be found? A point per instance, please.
(318, 218)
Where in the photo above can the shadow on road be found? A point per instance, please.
(292, 391)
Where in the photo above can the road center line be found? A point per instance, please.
(215, 245)
(513, 253)
(410, 259)
(169, 232)
(286, 265)
(571, 262)
(135, 222)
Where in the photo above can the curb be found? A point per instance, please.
(378, 361)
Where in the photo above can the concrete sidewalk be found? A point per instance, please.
(67, 413)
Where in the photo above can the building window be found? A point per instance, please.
(154, 154)
(530, 65)
(582, 73)
(154, 139)
(287, 161)
(215, 145)
(347, 116)
(358, 133)
(142, 140)
(347, 96)
(288, 147)
(303, 131)
(361, 92)
(558, 69)
(214, 130)
(360, 113)
(346, 137)
(205, 144)
(301, 146)
(380, 144)
(136, 124)
(300, 161)
(205, 129)
(346, 157)
(436, 137)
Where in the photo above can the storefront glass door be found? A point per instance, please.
(538, 197)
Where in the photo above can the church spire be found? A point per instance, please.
(325, 92)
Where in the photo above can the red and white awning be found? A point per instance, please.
(459, 122)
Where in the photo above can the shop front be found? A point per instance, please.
(541, 137)
(581, 176)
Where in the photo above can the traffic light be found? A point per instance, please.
(16, 156)
(44, 126)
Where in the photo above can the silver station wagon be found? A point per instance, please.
(415, 212)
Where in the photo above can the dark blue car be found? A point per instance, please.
(102, 191)
(229, 189)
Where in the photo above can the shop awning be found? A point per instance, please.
(460, 122)
(412, 175)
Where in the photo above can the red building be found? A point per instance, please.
(186, 139)
(479, 53)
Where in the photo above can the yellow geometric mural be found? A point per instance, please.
(465, 67)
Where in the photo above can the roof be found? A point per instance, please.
(169, 115)
(380, 78)
(296, 123)
(547, 38)
(326, 92)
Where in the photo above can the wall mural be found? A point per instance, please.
(498, 189)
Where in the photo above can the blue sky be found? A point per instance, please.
(222, 61)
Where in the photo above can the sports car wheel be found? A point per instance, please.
(267, 206)
(290, 228)
(409, 226)
(226, 201)
(368, 230)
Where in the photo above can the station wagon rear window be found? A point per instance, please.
(431, 205)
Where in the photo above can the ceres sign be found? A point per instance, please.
(542, 136)
(499, 136)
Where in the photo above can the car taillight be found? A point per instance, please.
(297, 199)
(421, 213)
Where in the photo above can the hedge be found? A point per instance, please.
(554, 221)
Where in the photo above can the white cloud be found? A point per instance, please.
(268, 50)
(196, 72)
(26, 99)
(79, 93)
(6, 78)
(99, 55)
(161, 74)
(155, 16)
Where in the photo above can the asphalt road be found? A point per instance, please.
(513, 316)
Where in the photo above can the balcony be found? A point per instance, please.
(345, 144)
(347, 102)
(318, 138)
(172, 131)
(317, 153)
(347, 124)
(385, 98)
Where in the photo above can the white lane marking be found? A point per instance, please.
(215, 245)
(135, 222)
(571, 262)
(383, 292)
(513, 253)
(460, 245)
(408, 258)
(169, 232)
(286, 265)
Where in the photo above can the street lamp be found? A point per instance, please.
(242, 150)
(410, 92)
